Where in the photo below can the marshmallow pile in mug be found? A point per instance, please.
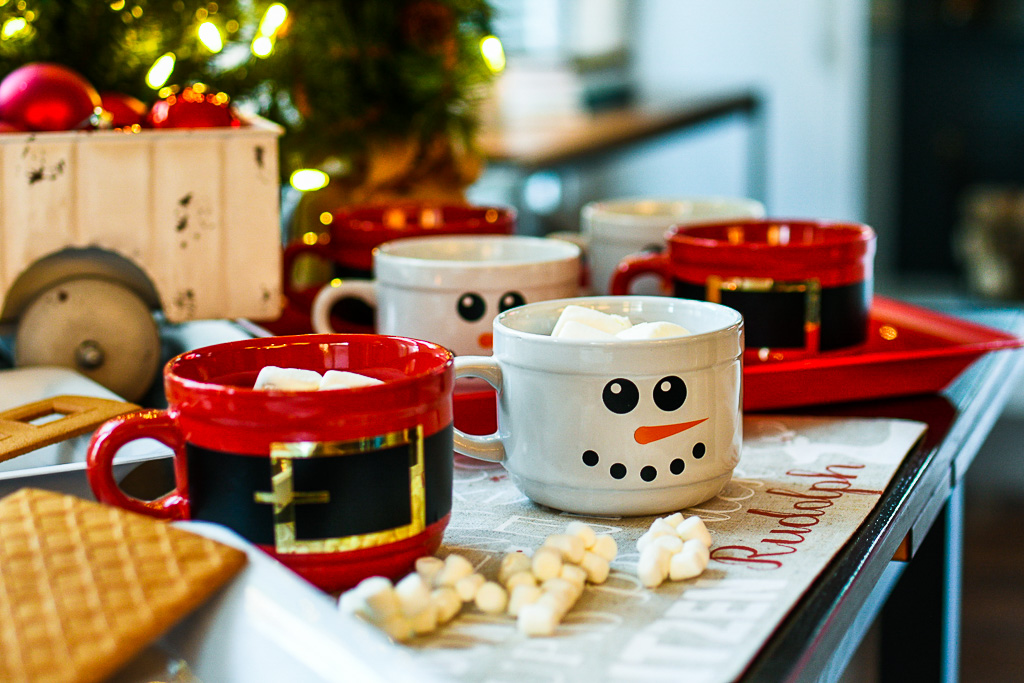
(579, 322)
(272, 377)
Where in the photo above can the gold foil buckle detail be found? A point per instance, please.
(811, 288)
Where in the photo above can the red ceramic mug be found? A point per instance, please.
(802, 286)
(338, 485)
(356, 231)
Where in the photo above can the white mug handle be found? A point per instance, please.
(487, 447)
(332, 293)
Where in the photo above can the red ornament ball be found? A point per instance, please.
(193, 107)
(124, 110)
(42, 96)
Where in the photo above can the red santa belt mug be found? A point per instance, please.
(337, 484)
(802, 286)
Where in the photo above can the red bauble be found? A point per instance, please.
(42, 96)
(192, 108)
(124, 110)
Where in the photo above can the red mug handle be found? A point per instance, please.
(636, 265)
(112, 434)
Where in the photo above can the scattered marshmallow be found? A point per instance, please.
(693, 527)
(523, 595)
(584, 531)
(272, 377)
(596, 567)
(424, 621)
(491, 598)
(513, 563)
(448, 603)
(413, 594)
(653, 566)
(570, 545)
(547, 563)
(522, 579)
(455, 567)
(673, 548)
(343, 379)
(429, 567)
(467, 586)
(537, 619)
(605, 547)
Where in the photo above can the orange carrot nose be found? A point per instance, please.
(485, 340)
(646, 435)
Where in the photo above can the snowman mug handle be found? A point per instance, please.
(487, 447)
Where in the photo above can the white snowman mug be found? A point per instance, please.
(614, 427)
(447, 289)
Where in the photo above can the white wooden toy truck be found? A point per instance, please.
(101, 229)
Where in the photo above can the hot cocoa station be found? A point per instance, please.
(685, 442)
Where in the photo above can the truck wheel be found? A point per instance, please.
(97, 327)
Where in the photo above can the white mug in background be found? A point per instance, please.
(614, 427)
(613, 229)
(447, 289)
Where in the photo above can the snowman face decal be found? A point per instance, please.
(473, 310)
(621, 397)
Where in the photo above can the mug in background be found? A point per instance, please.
(338, 484)
(614, 427)
(448, 288)
(802, 286)
(613, 229)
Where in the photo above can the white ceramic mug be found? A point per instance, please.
(613, 229)
(614, 427)
(447, 289)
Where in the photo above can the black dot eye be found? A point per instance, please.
(669, 393)
(471, 306)
(510, 300)
(620, 396)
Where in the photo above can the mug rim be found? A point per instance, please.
(367, 221)
(615, 211)
(850, 234)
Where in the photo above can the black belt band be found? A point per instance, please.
(337, 496)
(778, 317)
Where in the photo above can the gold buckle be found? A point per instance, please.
(284, 497)
(810, 288)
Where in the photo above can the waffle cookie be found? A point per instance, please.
(85, 586)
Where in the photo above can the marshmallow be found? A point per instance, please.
(272, 377)
(413, 594)
(606, 547)
(653, 566)
(570, 545)
(424, 621)
(577, 330)
(467, 586)
(652, 330)
(537, 619)
(673, 544)
(686, 564)
(603, 322)
(521, 579)
(343, 379)
(523, 595)
(584, 531)
(564, 588)
(448, 603)
(428, 567)
(455, 567)
(674, 519)
(547, 563)
(596, 567)
(574, 574)
(693, 527)
(513, 563)
(491, 598)
(379, 595)
(696, 545)
(397, 627)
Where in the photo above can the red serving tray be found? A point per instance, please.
(910, 350)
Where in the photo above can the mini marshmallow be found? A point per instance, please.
(521, 579)
(651, 568)
(379, 595)
(570, 545)
(673, 544)
(523, 595)
(397, 627)
(606, 547)
(577, 330)
(448, 603)
(537, 619)
(604, 322)
(272, 377)
(559, 601)
(343, 379)
(428, 567)
(596, 567)
(413, 594)
(491, 598)
(659, 527)
(653, 330)
(563, 587)
(584, 531)
(513, 563)
(424, 621)
(693, 527)
(351, 602)
(674, 519)
(455, 567)
(547, 563)
(574, 574)
(696, 545)
(685, 565)
(467, 586)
